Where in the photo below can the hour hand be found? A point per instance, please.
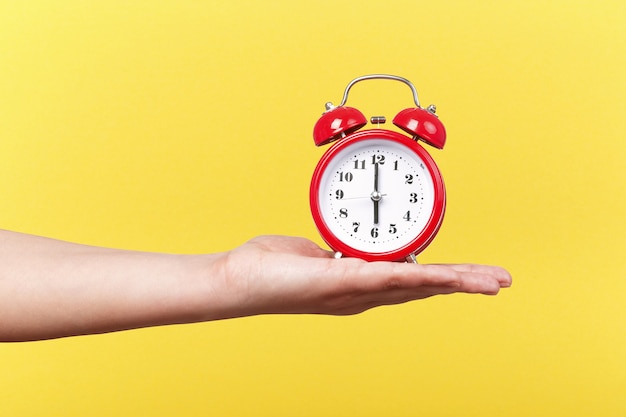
(376, 197)
(376, 211)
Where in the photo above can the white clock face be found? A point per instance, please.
(376, 195)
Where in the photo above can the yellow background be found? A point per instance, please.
(186, 127)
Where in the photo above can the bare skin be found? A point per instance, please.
(51, 289)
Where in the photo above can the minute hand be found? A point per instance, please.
(376, 177)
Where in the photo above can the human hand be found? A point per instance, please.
(280, 274)
(50, 288)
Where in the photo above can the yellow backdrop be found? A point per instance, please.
(186, 127)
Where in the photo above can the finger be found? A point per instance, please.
(376, 276)
(466, 282)
(499, 273)
(479, 279)
(360, 285)
(469, 283)
(364, 277)
(479, 283)
(365, 301)
(418, 279)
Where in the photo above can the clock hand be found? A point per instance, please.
(376, 211)
(376, 196)
(362, 197)
(376, 177)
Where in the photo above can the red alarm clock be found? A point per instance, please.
(377, 194)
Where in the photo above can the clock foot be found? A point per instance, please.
(411, 259)
(338, 255)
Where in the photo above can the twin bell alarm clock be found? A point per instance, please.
(377, 194)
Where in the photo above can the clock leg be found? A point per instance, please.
(338, 255)
(411, 259)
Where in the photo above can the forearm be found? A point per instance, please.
(50, 288)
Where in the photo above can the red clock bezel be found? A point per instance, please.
(421, 241)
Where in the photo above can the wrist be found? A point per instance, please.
(206, 291)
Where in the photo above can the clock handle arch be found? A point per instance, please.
(379, 77)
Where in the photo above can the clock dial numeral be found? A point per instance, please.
(339, 194)
(407, 216)
(393, 229)
(413, 198)
(343, 213)
(355, 226)
(408, 179)
(347, 176)
(359, 164)
(374, 232)
(378, 159)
